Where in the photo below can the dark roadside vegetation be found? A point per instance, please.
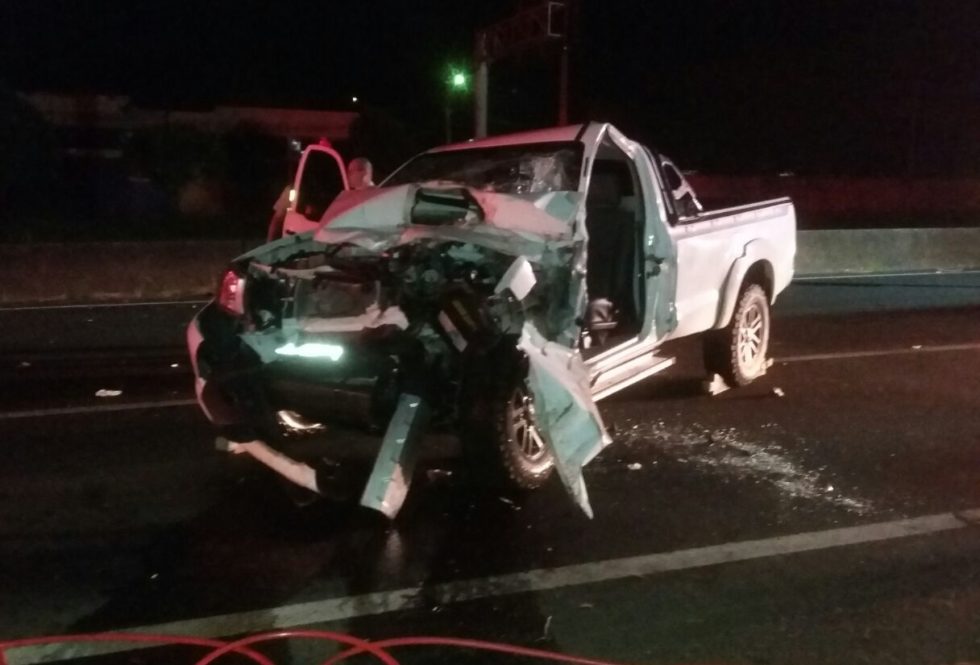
(173, 182)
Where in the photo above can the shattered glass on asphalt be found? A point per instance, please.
(731, 452)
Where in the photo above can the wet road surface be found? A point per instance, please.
(114, 518)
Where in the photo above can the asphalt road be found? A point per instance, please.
(764, 525)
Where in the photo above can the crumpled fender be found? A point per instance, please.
(565, 414)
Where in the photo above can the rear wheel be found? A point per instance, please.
(738, 351)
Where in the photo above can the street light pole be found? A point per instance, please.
(456, 83)
(449, 119)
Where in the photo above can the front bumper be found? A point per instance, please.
(240, 393)
(236, 386)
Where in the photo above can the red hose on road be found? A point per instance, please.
(463, 643)
(357, 646)
(139, 638)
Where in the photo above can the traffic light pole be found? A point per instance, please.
(563, 85)
(480, 87)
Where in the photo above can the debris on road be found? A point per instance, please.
(916, 347)
(435, 475)
(778, 392)
(546, 633)
(715, 385)
(106, 392)
(634, 466)
(730, 452)
(24, 363)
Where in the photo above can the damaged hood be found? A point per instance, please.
(519, 225)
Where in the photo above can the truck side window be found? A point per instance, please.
(685, 203)
(674, 180)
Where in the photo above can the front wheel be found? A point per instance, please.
(738, 351)
(527, 462)
(502, 443)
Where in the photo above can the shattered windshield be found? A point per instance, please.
(535, 168)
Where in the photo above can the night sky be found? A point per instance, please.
(870, 86)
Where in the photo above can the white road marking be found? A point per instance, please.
(101, 408)
(103, 305)
(879, 275)
(941, 348)
(340, 609)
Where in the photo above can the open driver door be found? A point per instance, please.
(321, 176)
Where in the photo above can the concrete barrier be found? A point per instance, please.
(820, 195)
(886, 250)
(113, 271)
(125, 271)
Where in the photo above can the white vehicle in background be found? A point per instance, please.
(500, 287)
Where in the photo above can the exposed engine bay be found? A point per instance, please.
(432, 306)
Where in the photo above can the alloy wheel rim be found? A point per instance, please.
(751, 337)
(528, 438)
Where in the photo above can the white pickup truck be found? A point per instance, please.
(498, 287)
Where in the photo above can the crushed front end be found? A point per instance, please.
(422, 324)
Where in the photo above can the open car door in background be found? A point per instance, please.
(321, 176)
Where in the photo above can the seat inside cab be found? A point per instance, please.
(614, 223)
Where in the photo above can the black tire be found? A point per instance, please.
(738, 351)
(500, 442)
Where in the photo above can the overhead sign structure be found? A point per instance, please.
(534, 25)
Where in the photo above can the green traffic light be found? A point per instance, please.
(459, 80)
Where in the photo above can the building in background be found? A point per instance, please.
(94, 124)
(121, 162)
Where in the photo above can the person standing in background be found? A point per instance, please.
(360, 173)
